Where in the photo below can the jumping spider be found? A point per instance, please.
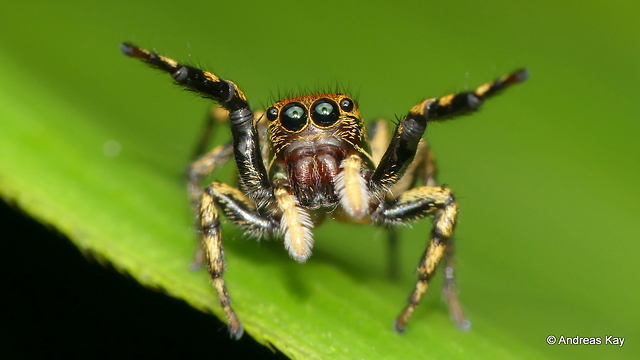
(312, 159)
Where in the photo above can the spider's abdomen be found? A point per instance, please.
(312, 171)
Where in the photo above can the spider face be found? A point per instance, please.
(310, 138)
(313, 161)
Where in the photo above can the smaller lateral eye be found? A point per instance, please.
(272, 113)
(325, 112)
(293, 117)
(346, 104)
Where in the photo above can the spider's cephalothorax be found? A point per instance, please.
(312, 136)
(309, 159)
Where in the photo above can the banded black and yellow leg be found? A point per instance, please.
(217, 116)
(413, 205)
(379, 135)
(239, 209)
(246, 141)
(448, 106)
(199, 169)
(422, 169)
(422, 166)
(421, 172)
(214, 253)
(406, 137)
(204, 166)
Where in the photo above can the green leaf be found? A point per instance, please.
(95, 144)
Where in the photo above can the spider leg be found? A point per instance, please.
(427, 171)
(206, 163)
(422, 171)
(215, 116)
(241, 210)
(197, 171)
(212, 245)
(247, 151)
(379, 135)
(393, 253)
(406, 137)
(413, 205)
(419, 202)
(421, 168)
(263, 136)
(449, 290)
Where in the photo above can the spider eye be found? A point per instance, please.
(325, 112)
(293, 117)
(346, 104)
(272, 113)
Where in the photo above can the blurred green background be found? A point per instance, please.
(546, 174)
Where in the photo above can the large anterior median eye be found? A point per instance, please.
(293, 117)
(325, 112)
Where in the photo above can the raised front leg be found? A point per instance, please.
(246, 143)
(404, 141)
